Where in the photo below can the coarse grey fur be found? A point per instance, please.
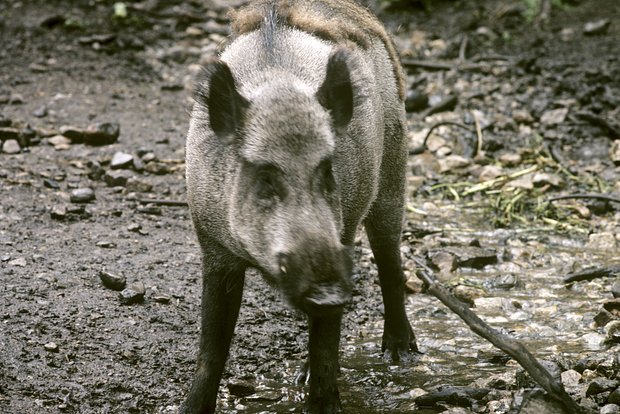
(294, 141)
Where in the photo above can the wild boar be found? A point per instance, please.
(297, 138)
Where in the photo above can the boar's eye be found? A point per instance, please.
(325, 175)
(268, 184)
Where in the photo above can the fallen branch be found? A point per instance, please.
(510, 346)
(499, 180)
(442, 65)
(592, 273)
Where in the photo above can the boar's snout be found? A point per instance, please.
(318, 284)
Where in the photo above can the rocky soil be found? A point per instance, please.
(100, 270)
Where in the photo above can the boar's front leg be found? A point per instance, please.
(223, 279)
(323, 363)
(383, 227)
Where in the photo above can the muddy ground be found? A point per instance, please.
(546, 96)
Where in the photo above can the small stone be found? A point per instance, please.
(511, 159)
(51, 347)
(117, 178)
(241, 388)
(605, 241)
(75, 134)
(121, 160)
(112, 281)
(452, 162)
(489, 172)
(8, 133)
(103, 133)
(19, 262)
(59, 142)
(416, 101)
(11, 146)
(157, 168)
(554, 116)
(612, 332)
(49, 183)
(106, 244)
(603, 317)
(5, 122)
(610, 409)
(614, 397)
(59, 213)
(150, 209)
(16, 99)
(82, 195)
(40, 112)
(542, 179)
(596, 27)
(162, 298)
(522, 116)
(601, 384)
(134, 227)
(134, 293)
(571, 379)
(467, 294)
(506, 282)
(138, 186)
(615, 289)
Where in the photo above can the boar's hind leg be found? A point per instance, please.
(383, 226)
(221, 298)
(323, 360)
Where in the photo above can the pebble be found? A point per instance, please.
(241, 388)
(59, 142)
(157, 168)
(601, 384)
(134, 293)
(162, 298)
(489, 172)
(610, 409)
(20, 262)
(49, 183)
(452, 162)
(614, 397)
(570, 379)
(605, 241)
(121, 160)
(511, 159)
(11, 146)
(40, 112)
(112, 281)
(106, 244)
(596, 27)
(82, 195)
(117, 178)
(542, 179)
(554, 116)
(59, 213)
(8, 133)
(135, 185)
(615, 289)
(150, 209)
(614, 152)
(612, 332)
(51, 347)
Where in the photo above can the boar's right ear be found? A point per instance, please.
(216, 89)
(336, 92)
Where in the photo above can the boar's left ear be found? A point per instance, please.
(218, 92)
(336, 92)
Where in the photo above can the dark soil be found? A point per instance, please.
(70, 344)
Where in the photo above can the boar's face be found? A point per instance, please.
(285, 204)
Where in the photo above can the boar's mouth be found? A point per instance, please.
(325, 298)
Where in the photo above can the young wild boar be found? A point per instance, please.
(296, 138)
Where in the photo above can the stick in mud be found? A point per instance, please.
(510, 346)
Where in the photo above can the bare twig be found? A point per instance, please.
(510, 346)
(604, 197)
(446, 104)
(422, 148)
(463, 48)
(478, 135)
(173, 203)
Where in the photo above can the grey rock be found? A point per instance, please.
(82, 195)
(162, 298)
(615, 289)
(241, 388)
(40, 112)
(601, 384)
(139, 186)
(134, 293)
(59, 213)
(610, 409)
(106, 244)
(150, 209)
(614, 397)
(11, 146)
(51, 347)
(121, 160)
(157, 168)
(112, 281)
(117, 178)
(103, 133)
(49, 183)
(8, 133)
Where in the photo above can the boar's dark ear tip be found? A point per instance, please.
(210, 67)
(336, 92)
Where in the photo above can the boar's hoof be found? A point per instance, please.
(303, 376)
(323, 406)
(401, 349)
